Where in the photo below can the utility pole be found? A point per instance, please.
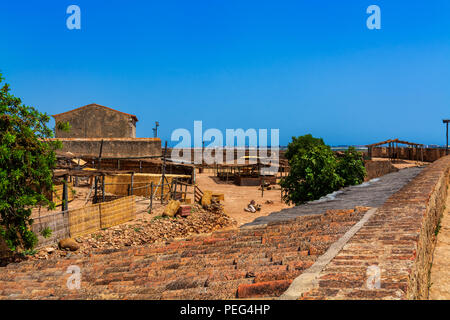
(155, 129)
(446, 121)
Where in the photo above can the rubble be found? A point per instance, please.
(139, 232)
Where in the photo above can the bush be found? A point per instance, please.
(313, 174)
(316, 172)
(351, 167)
(300, 145)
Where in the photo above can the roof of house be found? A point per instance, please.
(97, 105)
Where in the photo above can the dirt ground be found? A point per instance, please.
(238, 197)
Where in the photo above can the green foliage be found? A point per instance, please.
(351, 167)
(301, 145)
(46, 232)
(63, 126)
(313, 174)
(28, 252)
(316, 172)
(27, 158)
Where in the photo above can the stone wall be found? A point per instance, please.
(95, 121)
(112, 147)
(398, 239)
(375, 169)
(57, 222)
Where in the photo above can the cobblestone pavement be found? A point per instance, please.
(372, 194)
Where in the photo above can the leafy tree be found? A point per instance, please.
(302, 144)
(313, 174)
(27, 158)
(351, 167)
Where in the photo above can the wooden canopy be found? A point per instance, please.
(393, 151)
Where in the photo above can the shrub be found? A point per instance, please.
(351, 167)
(313, 174)
(46, 232)
(301, 145)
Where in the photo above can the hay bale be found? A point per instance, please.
(171, 209)
(206, 199)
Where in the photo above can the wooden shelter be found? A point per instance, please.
(393, 148)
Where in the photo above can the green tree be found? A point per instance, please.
(313, 174)
(351, 167)
(27, 158)
(302, 144)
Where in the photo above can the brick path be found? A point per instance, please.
(245, 263)
(397, 241)
(372, 194)
(440, 271)
(253, 262)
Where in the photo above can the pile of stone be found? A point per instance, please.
(160, 229)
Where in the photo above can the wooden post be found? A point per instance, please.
(65, 196)
(446, 135)
(100, 155)
(262, 187)
(163, 171)
(173, 189)
(151, 196)
(103, 188)
(95, 191)
(446, 148)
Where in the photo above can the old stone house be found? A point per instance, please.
(96, 121)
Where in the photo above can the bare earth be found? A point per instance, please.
(440, 270)
(238, 197)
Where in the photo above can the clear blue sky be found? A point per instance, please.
(302, 66)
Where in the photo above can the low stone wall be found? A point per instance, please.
(398, 240)
(57, 222)
(375, 169)
(112, 147)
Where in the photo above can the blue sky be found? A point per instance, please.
(300, 66)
